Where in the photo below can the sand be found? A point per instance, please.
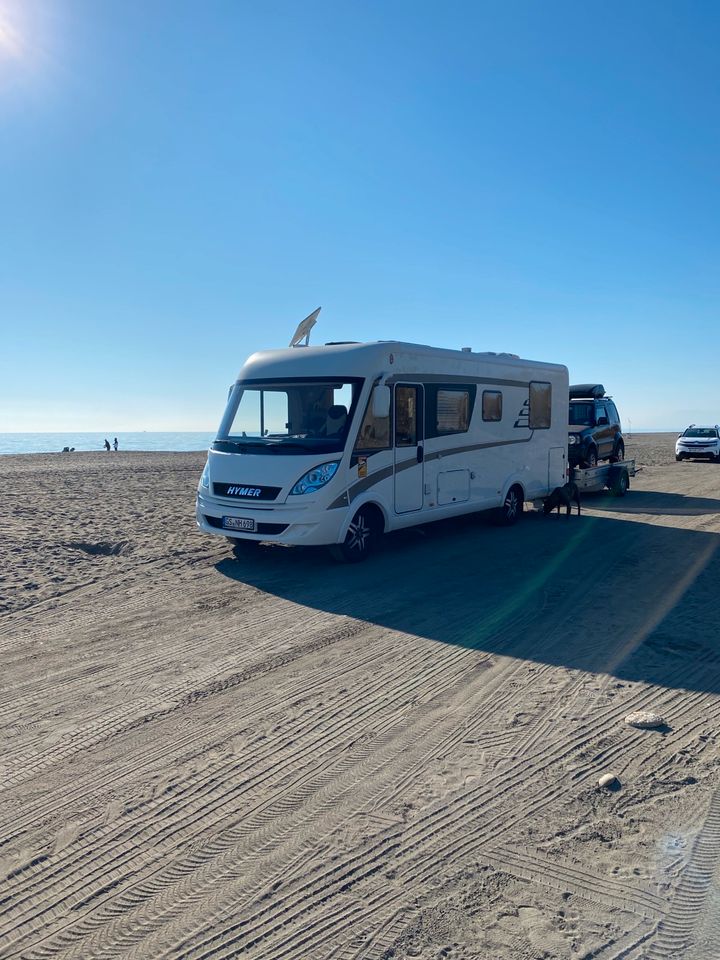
(284, 758)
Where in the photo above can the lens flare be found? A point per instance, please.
(12, 44)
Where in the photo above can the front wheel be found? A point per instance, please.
(512, 508)
(679, 457)
(591, 457)
(360, 539)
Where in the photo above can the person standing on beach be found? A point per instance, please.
(115, 444)
(107, 443)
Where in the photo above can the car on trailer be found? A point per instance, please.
(595, 431)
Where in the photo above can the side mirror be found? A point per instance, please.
(381, 402)
(602, 421)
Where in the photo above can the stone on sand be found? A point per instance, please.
(607, 780)
(645, 719)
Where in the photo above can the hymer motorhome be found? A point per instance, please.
(340, 443)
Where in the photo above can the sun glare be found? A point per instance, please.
(12, 45)
(27, 35)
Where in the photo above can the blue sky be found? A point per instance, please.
(181, 182)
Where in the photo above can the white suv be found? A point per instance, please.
(698, 441)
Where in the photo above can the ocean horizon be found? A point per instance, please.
(172, 441)
(179, 441)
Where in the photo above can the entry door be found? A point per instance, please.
(409, 447)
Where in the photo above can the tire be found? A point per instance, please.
(361, 538)
(511, 510)
(679, 457)
(621, 483)
(619, 451)
(591, 458)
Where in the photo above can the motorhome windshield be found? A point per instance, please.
(297, 415)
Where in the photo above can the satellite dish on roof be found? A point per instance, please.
(304, 328)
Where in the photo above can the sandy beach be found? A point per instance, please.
(285, 758)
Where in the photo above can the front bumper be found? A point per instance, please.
(682, 451)
(576, 453)
(309, 523)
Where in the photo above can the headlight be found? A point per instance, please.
(572, 438)
(205, 478)
(316, 478)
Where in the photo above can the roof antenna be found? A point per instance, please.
(304, 328)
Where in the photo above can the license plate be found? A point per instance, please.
(238, 523)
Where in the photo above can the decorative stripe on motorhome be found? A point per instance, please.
(452, 378)
(357, 488)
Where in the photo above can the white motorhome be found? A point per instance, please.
(337, 444)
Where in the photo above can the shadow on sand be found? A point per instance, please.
(631, 599)
(654, 503)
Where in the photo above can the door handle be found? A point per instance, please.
(420, 454)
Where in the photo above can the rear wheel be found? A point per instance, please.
(512, 508)
(620, 483)
(619, 451)
(361, 538)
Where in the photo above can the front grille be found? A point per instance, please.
(265, 528)
(245, 491)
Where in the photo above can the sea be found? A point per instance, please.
(144, 440)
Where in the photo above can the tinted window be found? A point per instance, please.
(406, 416)
(491, 405)
(449, 408)
(581, 414)
(540, 406)
(451, 411)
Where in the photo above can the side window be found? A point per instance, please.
(601, 411)
(449, 408)
(491, 405)
(451, 413)
(374, 433)
(540, 405)
(406, 416)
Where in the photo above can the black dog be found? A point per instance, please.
(563, 496)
